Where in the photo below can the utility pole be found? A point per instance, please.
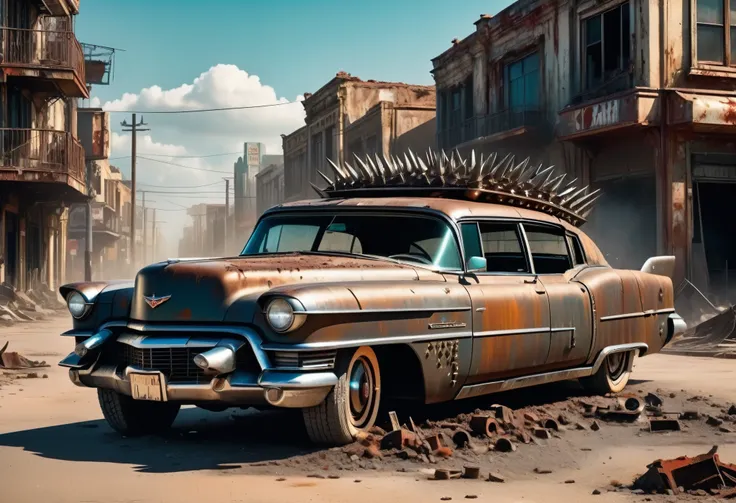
(88, 238)
(134, 128)
(145, 240)
(153, 237)
(227, 214)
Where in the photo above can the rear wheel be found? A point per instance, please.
(353, 403)
(612, 376)
(135, 417)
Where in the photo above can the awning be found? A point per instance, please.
(705, 112)
(636, 107)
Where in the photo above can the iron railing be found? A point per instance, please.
(488, 125)
(41, 150)
(43, 48)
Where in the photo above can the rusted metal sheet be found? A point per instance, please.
(703, 110)
(706, 472)
(635, 107)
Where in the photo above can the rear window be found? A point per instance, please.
(548, 247)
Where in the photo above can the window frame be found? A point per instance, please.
(522, 241)
(727, 66)
(536, 51)
(557, 229)
(391, 211)
(582, 25)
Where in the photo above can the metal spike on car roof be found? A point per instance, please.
(439, 174)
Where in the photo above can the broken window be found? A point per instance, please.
(716, 31)
(607, 39)
(522, 81)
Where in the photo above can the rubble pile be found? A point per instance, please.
(35, 304)
(700, 476)
(15, 361)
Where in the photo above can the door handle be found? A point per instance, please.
(531, 282)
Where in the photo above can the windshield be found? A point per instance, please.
(419, 240)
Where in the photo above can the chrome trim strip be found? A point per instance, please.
(364, 342)
(149, 342)
(562, 329)
(389, 311)
(278, 379)
(558, 375)
(513, 331)
(641, 314)
(87, 333)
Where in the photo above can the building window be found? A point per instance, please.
(715, 44)
(522, 81)
(607, 42)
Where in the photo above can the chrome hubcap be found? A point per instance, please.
(362, 390)
(616, 364)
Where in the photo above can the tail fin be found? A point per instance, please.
(662, 265)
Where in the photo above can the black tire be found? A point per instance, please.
(612, 376)
(135, 417)
(334, 421)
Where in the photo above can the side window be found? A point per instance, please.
(471, 240)
(502, 247)
(340, 242)
(576, 251)
(548, 247)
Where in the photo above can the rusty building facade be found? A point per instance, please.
(351, 116)
(42, 164)
(269, 187)
(634, 97)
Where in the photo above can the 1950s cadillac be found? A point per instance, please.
(434, 278)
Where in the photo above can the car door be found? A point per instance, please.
(510, 309)
(556, 259)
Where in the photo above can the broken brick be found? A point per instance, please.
(595, 426)
(542, 433)
(471, 472)
(495, 477)
(397, 439)
(443, 452)
(531, 417)
(714, 421)
(504, 445)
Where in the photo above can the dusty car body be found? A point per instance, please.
(392, 285)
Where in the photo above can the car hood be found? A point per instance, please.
(204, 290)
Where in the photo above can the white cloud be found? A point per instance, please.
(197, 134)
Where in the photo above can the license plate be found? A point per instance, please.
(146, 387)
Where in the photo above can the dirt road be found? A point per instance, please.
(55, 447)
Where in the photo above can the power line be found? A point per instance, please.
(182, 192)
(178, 156)
(180, 186)
(183, 166)
(196, 110)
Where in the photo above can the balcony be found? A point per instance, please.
(492, 127)
(42, 156)
(106, 224)
(59, 7)
(49, 61)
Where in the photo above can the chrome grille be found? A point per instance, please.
(175, 362)
(304, 360)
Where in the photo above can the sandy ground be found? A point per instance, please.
(55, 447)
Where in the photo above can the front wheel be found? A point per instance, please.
(612, 376)
(352, 405)
(135, 417)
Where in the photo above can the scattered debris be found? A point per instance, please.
(542, 471)
(542, 433)
(395, 425)
(470, 496)
(653, 400)
(15, 361)
(569, 481)
(504, 445)
(471, 472)
(705, 472)
(595, 426)
(443, 474)
(714, 421)
(496, 477)
(595, 492)
(690, 415)
(659, 425)
(461, 438)
(485, 425)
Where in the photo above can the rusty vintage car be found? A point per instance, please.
(434, 279)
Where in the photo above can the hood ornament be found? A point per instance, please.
(154, 301)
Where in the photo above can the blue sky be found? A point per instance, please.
(205, 54)
(294, 46)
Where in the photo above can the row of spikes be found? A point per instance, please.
(440, 170)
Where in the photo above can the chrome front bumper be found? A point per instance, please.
(272, 386)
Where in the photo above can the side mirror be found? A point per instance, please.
(477, 264)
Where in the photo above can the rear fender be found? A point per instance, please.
(662, 265)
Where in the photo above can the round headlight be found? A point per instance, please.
(77, 304)
(280, 315)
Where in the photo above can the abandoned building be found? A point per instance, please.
(42, 166)
(269, 187)
(349, 116)
(633, 97)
